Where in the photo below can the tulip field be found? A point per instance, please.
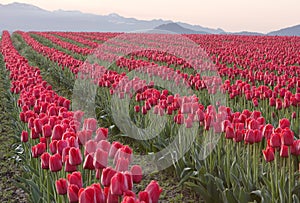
(95, 115)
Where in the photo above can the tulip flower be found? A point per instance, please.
(57, 132)
(88, 162)
(154, 191)
(275, 140)
(118, 184)
(86, 195)
(53, 147)
(114, 148)
(229, 132)
(46, 130)
(68, 166)
(100, 159)
(284, 151)
(61, 186)
(137, 174)
(61, 145)
(144, 197)
(107, 175)
(45, 160)
(38, 150)
(75, 179)
(55, 163)
(284, 123)
(268, 154)
(287, 137)
(75, 156)
(122, 164)
(101, 134)
(24, 136)
(72, 193)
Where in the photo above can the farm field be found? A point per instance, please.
(118, 117)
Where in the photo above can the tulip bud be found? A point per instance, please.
(284, 151)
(75, 179)
(24, 136)
(55, 163)
(137, 174)
(61, 186)
(45, 160)
(72, 193)
(154, 191)
(75, 156)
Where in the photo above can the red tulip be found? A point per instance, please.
(118, 184)
(284, 151)
(137, 173)
(37, 125)
(53, 147)
(257, 136)
(284, 123)
(61, 145)
(268, 154)
(287, 137)
(88, 162)
(278, 104)
(57, 132)
(99, 195)
(128, 199)
(75, 156)
(47, 130)
(107, 175)
(144, 197)
(24, 136)
(249, 137)
(137, 108)
(229, 132)
(154, 191)
(55, 163)
(61, 186)
(275, 140)
(69, 167)
(295, 148)
(239, 136)
(72, 193)
(34, 134)
(38, 150)
(267, 131)
(75, 179)
(86, 195)
(114, 148)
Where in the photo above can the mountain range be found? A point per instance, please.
(26, 17)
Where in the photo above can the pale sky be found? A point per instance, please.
(230, 15)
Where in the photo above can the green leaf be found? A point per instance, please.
(229, 197)
(200, 190)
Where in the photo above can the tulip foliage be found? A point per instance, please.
(257, 146)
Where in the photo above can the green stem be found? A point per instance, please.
(276, 174)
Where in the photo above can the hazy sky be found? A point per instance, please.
(231, 15)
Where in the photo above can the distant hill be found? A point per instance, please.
(175, 28)
(244, 33)
(289, 31)
(26, 17)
